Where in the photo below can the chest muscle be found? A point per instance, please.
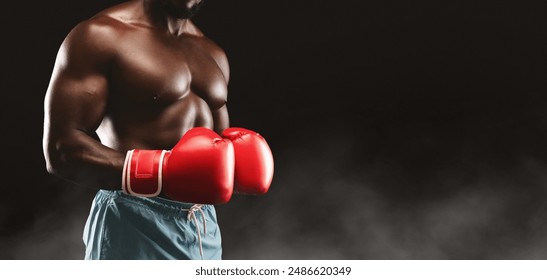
(157, 71)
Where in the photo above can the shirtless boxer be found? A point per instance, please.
(135, 108)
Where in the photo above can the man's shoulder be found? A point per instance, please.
(217, 53)
(208, 44)
(93, 39)
(213, 47)
(107, 24)
(99, 26)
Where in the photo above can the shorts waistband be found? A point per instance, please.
(157, 203)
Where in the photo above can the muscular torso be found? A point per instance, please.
(159, 86)
(136, 78)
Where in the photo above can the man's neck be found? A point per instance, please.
(158, 16)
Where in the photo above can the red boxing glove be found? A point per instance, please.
(254, 163)
(199, 169)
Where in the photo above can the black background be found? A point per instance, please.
(400, 129)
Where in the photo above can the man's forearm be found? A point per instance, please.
(79, 158)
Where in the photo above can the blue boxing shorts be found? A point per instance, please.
(125, 227)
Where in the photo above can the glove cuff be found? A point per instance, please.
(142, 172)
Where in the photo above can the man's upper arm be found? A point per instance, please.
(221, 119)
(222, 62)
(76, 98)
(78, 88)
(220, 116)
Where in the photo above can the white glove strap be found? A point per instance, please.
(125, 173)
(126, 176)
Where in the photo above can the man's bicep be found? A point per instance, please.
(76, 103)
(77, 93)
(74, 107)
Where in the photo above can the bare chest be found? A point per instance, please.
(151, 69)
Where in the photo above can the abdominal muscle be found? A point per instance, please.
(153, 126)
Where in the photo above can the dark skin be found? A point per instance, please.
(132, 77)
